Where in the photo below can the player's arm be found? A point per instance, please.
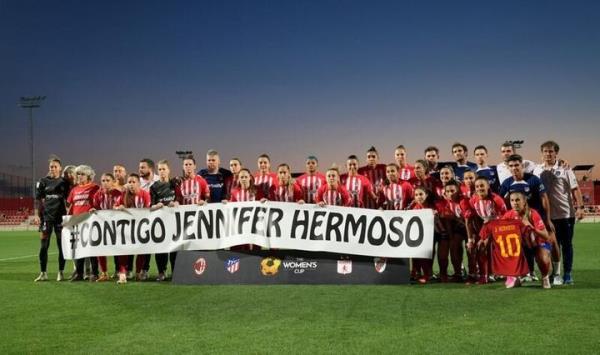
(546, 207)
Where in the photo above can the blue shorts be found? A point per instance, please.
(545, 245)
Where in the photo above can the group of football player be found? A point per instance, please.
(509, 217)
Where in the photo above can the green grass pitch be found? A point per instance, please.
(149, 317)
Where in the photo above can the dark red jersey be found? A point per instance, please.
(376, 176)
(310, 184)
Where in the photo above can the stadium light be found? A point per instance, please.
(30, 103)
(182, 154)
(516, 143)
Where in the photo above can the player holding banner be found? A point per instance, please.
(375, 173)
(312, 180)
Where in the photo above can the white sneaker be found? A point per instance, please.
(534, 277)
(42, 277)
(527, 278)
(558, 280)
(129, 275)
(60, 276)
(546, 282)
(122, 278)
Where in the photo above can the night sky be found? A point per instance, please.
(126, 80)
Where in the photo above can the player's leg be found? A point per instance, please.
(443, 251)
(61, 258)
(103, 265)
(161, 264)
(45, 233)
(543, 259)
(564, 235)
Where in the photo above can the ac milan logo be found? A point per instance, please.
(232, 265)
(344, 266)
(200, 266)
(380, 264)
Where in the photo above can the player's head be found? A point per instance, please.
(133, 183)
(421, 168)
(507, 149)
(352, 164)
(446, 174)
(451, 189)
(120, 174)
(235, 165)
(54, 166)
(189, 166)
(311, 164)
(549, 151)
(391, 172)
(481, 154)
(84, 174)
(400, 155)
(164, 171)
(372, 156)
(107, 181)
(69, 174)
(515, 165)
(333, 176)
(469, 177)
(284, 174)
(146, 168)
(421, 195)
(459, 152)
(264, 163)
(245, 179)
(212, 160)
(432, 155)
(482, 186)
(518, 201)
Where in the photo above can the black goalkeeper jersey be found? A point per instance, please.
(53, 193)
(163, 192)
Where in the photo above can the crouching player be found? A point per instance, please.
(519, 228)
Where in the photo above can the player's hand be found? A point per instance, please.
(321, 204)
(300, 202)
(120, 207)
(201, 203)
(263, 200)
(157, 206)
(550, 226)
(36, 220)
(224, 202)
(92, 210)
(173, 204)
(579, 214)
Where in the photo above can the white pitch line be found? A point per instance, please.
(24, 257)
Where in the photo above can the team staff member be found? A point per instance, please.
(51, 193)
(507, 149)
(164, 193)
(108, 197)
(217, 178)
(566, 204)
(311, 180)
(483, 169)
(81, 200)
(460, 153)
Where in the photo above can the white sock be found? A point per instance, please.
(556, 267)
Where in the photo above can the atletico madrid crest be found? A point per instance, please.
(232, 265)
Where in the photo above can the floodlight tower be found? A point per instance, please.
(182, 154)
(30, 103)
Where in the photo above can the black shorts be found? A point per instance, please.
(46, 228)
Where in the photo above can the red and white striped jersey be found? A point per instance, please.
(310, 184)
(104, 200)
(291, 193)
(193, 190)
(489, 208)
(357, 186)
(466, 191)
(140, 200)
(407, 173)
(396, 196)
(338, 197)
(240, 195)
(263, 183)
(376, 175)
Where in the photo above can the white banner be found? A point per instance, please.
(281, 225)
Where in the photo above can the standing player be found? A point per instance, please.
(194, 189)
(533, 188)
(460, 153)
(423, 267)
(375, 173)
(120, 174)
(432, 156)
(80, 201)
(246, 189)
(235, 165)
(264, 177)
(134, 197)
(164, 193)
(396, 194)
(147, 178)
(356, 184)
(453, 217)
(406, 171)
(286, 189)
(311, 180)
(423, 179)
(217, 178)
(483, 169)
(467, 187)
(566, 204)
(333, 193)
(50, 193)
(106, 198)
(507, 149)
